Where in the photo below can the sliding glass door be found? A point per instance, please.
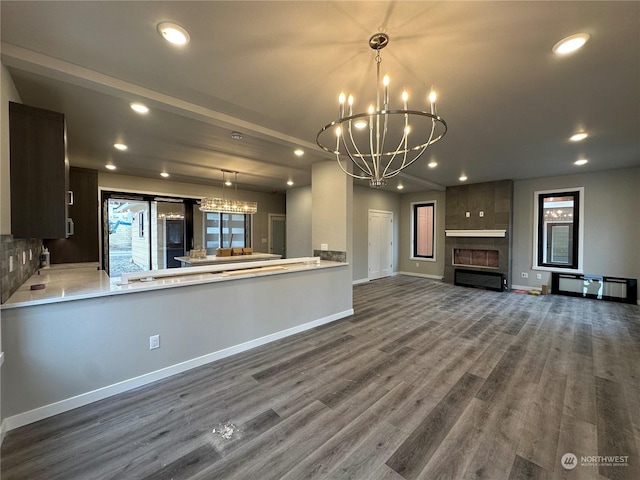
(144, 232)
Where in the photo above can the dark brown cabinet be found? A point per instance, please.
(39, 173)
(82, 246)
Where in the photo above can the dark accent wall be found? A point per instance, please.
(495, 200)
(10, 247)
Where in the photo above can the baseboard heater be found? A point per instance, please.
(479, 279)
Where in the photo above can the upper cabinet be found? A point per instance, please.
(39, 173)
(83, 209)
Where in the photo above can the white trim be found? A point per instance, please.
(361, 281)
(528, 288)
(1, 358)
(67, 404)
(475, 233)
(422, 275)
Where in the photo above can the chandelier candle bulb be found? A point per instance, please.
(385, 82)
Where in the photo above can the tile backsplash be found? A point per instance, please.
(17, 249)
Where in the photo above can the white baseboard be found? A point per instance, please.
(524, 287)
(3, 431)
(52, 409)
(362, 280)
(422, 275)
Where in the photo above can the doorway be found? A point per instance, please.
(142, 233)
(380, 244)
(277, 234)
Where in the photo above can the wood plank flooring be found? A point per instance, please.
(425, 381)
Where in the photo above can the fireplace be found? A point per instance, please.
(473, 257)
(478, 226)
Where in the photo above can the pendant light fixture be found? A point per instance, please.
(228, 205)
(381, 142)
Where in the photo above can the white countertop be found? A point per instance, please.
(81, 281)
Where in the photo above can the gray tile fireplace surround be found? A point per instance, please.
(490, 207)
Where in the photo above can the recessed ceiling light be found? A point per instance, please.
(110, 167)
(400, 186)
(228, 183)
(290, 182)
(299, 152)
(120, 146)
(463, 178)
(570, 43)
(164, 174)
(360, 124)
(236, 135)
(139, 108)
(432, 164)
(578, 136)
(173, 33)
(581, 161)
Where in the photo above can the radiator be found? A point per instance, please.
(479, 279)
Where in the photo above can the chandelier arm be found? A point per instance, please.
(362, 157)
(359, 177)
(403, 140)
(424, 148)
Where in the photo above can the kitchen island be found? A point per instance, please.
(86, 337)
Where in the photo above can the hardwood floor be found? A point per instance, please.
(425, 381)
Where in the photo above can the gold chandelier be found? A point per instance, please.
(227, 205)
(364, 138)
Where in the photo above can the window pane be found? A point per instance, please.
(423, 234)
(557, 229)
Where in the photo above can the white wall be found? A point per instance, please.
(8, 93)
(611, 223)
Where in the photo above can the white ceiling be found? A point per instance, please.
(273, 71)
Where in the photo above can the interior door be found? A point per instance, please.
(380, 244)
(277, 234)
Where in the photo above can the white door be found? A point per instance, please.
(380, 244)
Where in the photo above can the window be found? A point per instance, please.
(226, 230)
(423, 226)
(558, 232)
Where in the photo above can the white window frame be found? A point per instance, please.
(435, 236)
(536, 227)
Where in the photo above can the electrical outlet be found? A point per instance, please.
(481, 213)
(467, 214)
(417, 264)
(525, 275)
(154, 342)
(538, 276)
